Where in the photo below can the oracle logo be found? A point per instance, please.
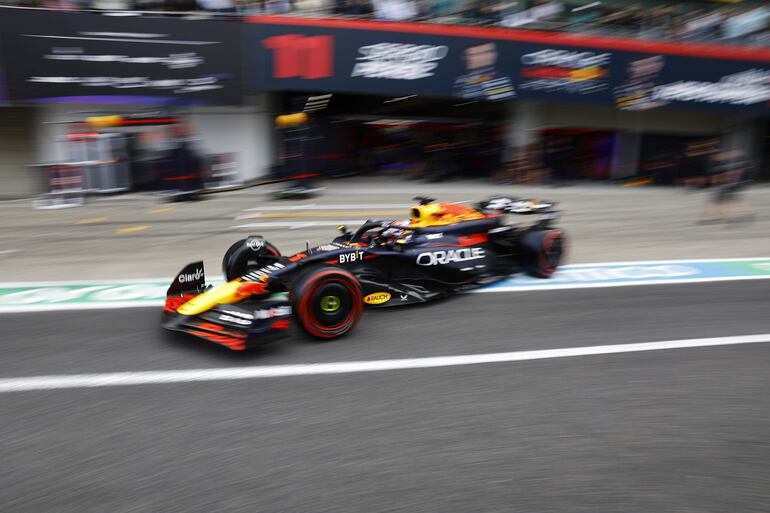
(450, 256)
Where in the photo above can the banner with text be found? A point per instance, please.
(494, 64)
(94, 58)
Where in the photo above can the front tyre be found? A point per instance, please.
(328, 302)
(541, 252)
(247, 255)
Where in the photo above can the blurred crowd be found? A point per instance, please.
(564, 157)
(742, 22)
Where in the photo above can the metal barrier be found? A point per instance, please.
(63, 185)
(103, 160)
(221, 171)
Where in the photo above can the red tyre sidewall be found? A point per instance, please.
(549, 238)
(305, 308)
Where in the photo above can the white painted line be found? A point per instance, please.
(14, 203)
(342, 191)
(115, 379)
(8, 251)
(314, 206)
(293, 225)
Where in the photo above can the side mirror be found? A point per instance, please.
(345, 234)
(424, 200)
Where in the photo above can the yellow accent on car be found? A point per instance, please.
(225, 294)
(377, 298)
(442, 214)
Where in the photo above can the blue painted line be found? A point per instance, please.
(633, 273)
(42, 296)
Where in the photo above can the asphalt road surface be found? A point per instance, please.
(141, 236)
(683, 430)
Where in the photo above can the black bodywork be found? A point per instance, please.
(395, 265)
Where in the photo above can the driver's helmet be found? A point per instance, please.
(397, 232)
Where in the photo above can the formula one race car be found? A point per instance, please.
(444, 248)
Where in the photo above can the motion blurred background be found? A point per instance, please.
(515, 92)
(647, 121)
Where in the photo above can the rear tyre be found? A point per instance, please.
(541, 252)
(247, 255)
(327, 301)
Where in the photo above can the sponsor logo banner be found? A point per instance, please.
(296, 57)
(337, 58)
(644, 82)
(564, 71)
(88, 57)
(398, 61)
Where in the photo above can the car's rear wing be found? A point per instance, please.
(503, 204)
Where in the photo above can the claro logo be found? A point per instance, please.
(450, 256)
(377, 298)
(187, 278)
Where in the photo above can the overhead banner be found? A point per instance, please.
(92, 58)
(313, 58)
(652, 81)
(445, 61)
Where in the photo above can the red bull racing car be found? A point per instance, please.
(444, 248)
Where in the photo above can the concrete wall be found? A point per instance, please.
(17, 152)
(246, 131)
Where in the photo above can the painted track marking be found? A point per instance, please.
(92, 220)
(115, 379)
(131, 229)
(293, 225)
(601, 285)
(161, 210)
(102, 294)
(330, 207)
(287, 215)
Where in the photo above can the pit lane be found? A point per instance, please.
(674, 430)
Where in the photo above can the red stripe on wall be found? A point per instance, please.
(712, 51)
